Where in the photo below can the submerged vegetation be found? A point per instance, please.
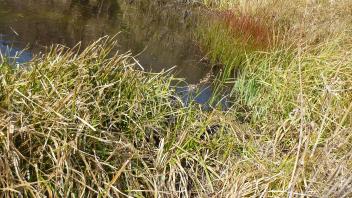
(91, 123)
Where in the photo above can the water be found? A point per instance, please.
(159, 33)
(15, 55)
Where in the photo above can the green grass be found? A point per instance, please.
(92, 124)
(296, 92)
(88, 125)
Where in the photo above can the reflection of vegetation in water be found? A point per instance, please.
(160, 29)
(162, 32)
(108, 9)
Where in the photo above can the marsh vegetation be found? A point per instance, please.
(88, 121)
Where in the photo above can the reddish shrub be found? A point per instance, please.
(252, 30)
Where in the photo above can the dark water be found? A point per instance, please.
(158, 32)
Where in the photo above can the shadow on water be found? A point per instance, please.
(158, 32)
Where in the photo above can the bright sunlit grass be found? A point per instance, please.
(91, 124)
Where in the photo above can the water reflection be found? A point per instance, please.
(14, 55)
(162, 34)
(203, 95)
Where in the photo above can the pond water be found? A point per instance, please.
(158, 33)
(161, 35)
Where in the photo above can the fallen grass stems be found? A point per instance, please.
(92, 124)
(296, 93)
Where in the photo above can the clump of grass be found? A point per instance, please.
(91, 124)
(228, 37)
(224, 51)
(301, 98)
(247, 29)
(297, 94)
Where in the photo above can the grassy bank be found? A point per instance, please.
(92, 124)
(296, 91)
(88, 125)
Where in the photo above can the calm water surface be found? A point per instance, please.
(160, 34)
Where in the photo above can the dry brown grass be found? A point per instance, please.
(87, 125)
(297, 94)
